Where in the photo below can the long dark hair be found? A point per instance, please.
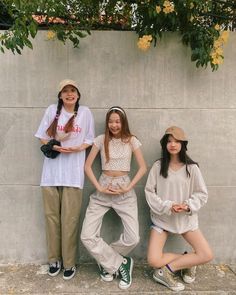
(52, 129)
(125, 131)
(165, 158)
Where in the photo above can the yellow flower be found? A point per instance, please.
(51, 35)
(144, 42)
(191, 5)
(191, 18)
(217, 27)
(219, 50)
(224, 36)
(147, 38)
(218, 43)
(166, 3)
(158, 9)
(168, 7)
(217, 61)
(213, 55)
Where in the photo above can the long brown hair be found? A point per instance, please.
(52, 129)
(125, 131)
(165, 158)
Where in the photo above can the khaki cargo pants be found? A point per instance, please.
(62, 209)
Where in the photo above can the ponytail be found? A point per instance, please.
(69, 125)
(52, 129)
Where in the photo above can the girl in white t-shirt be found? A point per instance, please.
(114, 190)
(65, 131)
(175, 191)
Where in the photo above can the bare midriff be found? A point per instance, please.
(114, 173)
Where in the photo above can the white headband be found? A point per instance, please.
(116, 109)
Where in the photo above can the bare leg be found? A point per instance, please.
(202, 251)
(155, 256)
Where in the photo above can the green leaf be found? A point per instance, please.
(194, 56)
(33, 28)
(80, 34)
(28, 43)
(198, 63)
(18, 50)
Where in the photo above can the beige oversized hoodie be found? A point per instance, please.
(177, 188)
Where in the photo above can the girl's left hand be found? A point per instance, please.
(177, 208)
(123, 189)
(71, 149)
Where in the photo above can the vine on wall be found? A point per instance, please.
(203, 25)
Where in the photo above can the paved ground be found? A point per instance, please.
(32, 279)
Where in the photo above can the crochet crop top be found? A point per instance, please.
(120, 152)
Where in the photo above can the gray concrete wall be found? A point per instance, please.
(158, 88)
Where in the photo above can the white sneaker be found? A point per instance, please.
(165, 277)
(69, 273)
(54, 268)
(189, 274)
(105, 276)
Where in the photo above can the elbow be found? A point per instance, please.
(43, 141)
(144, 170)
(86, 168)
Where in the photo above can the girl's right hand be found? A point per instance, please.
(106, 190)
(57, 148)
(177, 208)
(61, 149)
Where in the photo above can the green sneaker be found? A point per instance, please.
(189, 274)
(105, 276)
(125, 271)
(165, 277)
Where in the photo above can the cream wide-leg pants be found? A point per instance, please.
(125, 205)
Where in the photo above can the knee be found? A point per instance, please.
(86, 239)
(52, 217)
(207, 256)
(135, 240)
(154, 262)
(88, 242)
(132, 240)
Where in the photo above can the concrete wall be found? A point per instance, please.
(158, 88)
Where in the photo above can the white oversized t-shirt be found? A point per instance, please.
(66, 169)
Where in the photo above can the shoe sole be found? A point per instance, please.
(69, 278)
(188, 280)
(165, 284)
(110, 279)
(105, 279)
(131, 270)
(54, 274)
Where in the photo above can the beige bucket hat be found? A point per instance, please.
(66, 82)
